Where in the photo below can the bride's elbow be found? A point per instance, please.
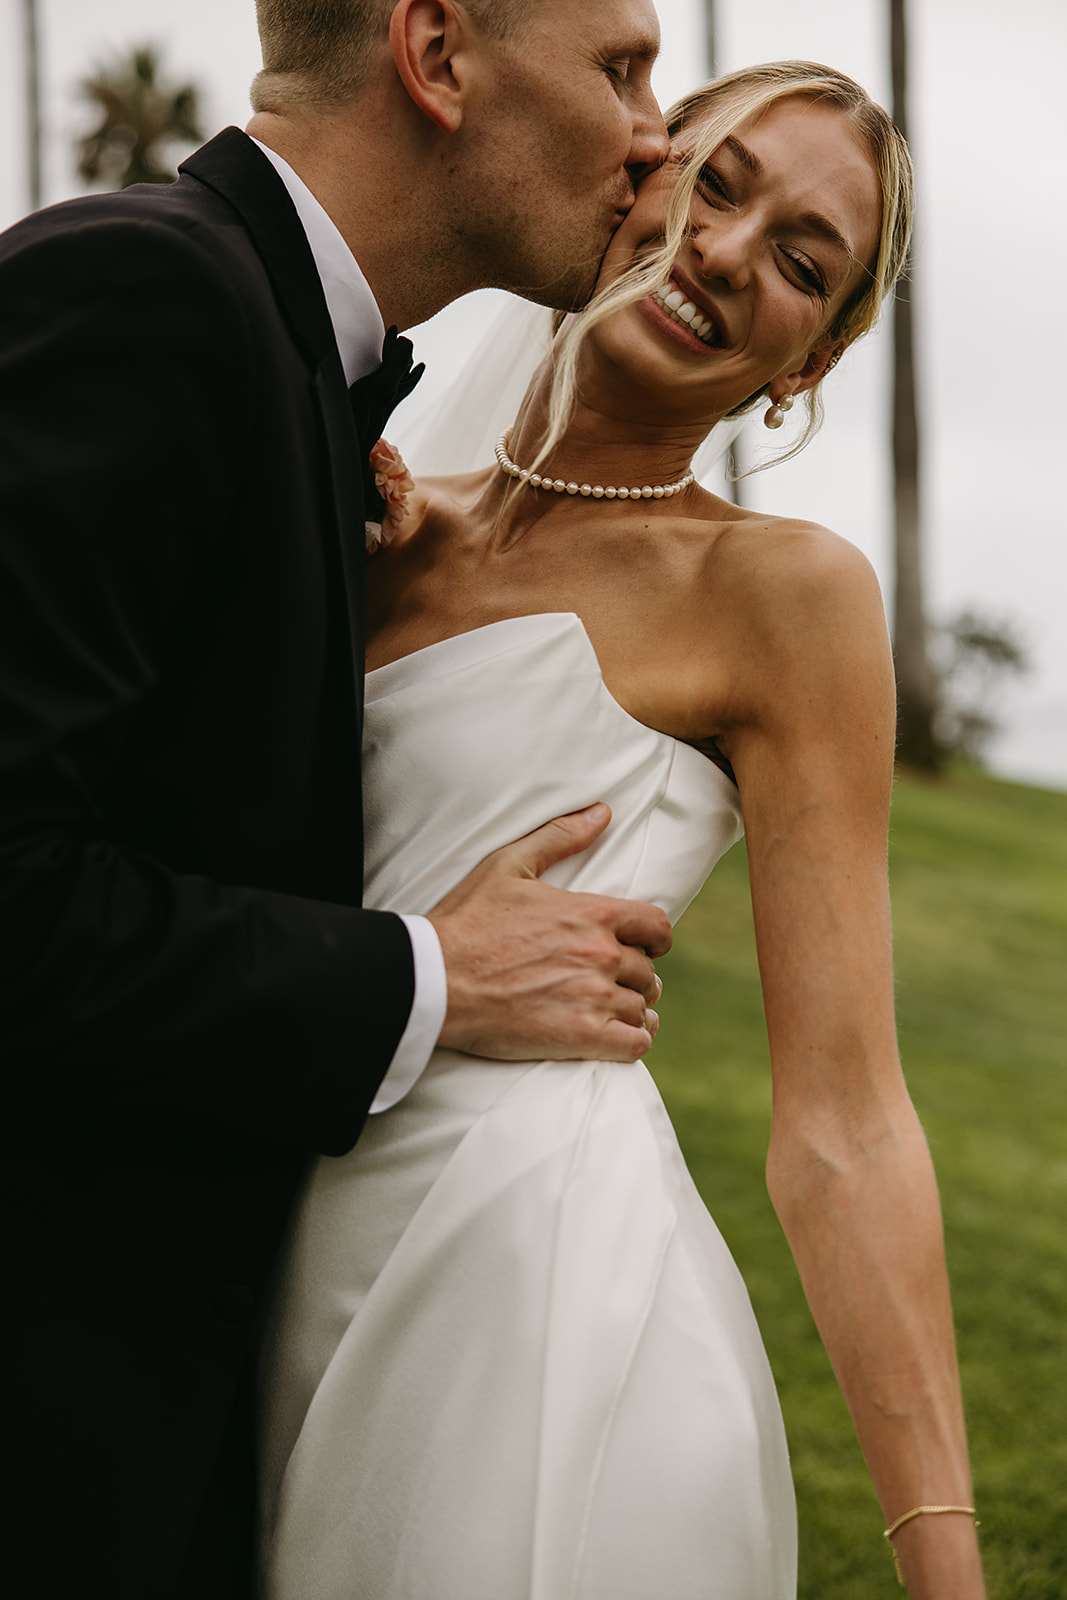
(823, 1161)
(802, 1169)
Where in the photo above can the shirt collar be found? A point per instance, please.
(357, 322)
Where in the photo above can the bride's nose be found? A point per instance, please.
(725, 249)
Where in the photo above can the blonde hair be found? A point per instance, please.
(716, 111)
(320, 53)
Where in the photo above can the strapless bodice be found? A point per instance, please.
(476, 740)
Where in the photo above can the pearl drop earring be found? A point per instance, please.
(774, 415)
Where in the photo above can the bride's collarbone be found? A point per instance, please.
(654, 594)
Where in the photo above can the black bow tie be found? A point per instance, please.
(375, 397)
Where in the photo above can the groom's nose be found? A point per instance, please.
(650, 143)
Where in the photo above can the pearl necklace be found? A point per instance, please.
(534, 480)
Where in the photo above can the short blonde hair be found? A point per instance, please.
(319, 53)
(716, 111)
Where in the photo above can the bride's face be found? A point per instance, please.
(785, 224)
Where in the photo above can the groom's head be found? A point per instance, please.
(535, 118)
(321, 52)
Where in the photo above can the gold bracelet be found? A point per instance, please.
(921, 1511)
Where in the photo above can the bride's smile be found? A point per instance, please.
(681, 302)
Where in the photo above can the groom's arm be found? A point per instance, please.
(126, 984)
(123, 982)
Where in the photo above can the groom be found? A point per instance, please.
(192, 1003)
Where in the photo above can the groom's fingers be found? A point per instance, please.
(632, 922)
(564, 836)
(536, 972)
(637, 926)
(635, 922)
(622, 1043)
(637, 972)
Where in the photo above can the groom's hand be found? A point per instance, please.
(536, 972)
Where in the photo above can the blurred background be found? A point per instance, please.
(984, 101)
(978, 862)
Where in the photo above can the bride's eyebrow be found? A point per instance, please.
(815, 222)
(743, 155)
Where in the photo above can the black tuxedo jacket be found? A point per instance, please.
(191, 1002)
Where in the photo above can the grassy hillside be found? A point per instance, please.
(979, 873)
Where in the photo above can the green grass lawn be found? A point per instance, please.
(979, 875)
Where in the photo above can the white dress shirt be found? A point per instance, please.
(359, 331)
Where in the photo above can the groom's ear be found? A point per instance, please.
(431, 42)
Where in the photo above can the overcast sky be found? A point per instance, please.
(987, 133)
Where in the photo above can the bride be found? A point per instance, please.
(511, 1358)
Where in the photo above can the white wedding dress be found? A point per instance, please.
(511, 1357)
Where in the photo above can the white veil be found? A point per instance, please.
(455, 431)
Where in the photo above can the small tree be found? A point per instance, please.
(732, 466)
(975, 654)
(139, 114)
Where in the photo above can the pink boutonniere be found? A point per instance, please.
(394, 483)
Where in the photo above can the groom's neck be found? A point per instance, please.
(388, 194)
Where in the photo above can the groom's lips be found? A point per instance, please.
(624, 207)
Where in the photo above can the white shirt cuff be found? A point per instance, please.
(427, 1015)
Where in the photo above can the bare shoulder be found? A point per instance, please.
(781, 562)
(792, 583)
(801, 611)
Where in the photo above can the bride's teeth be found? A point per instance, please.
(684, 311)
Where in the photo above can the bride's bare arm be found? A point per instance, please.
(848, 1169)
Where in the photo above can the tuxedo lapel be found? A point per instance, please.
(344, 453)
(236, 170)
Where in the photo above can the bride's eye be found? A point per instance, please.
(713, 186)
(807, 271)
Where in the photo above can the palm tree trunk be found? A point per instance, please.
(710, 62)
(916, 692)
(33, 103)
(732, 467)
